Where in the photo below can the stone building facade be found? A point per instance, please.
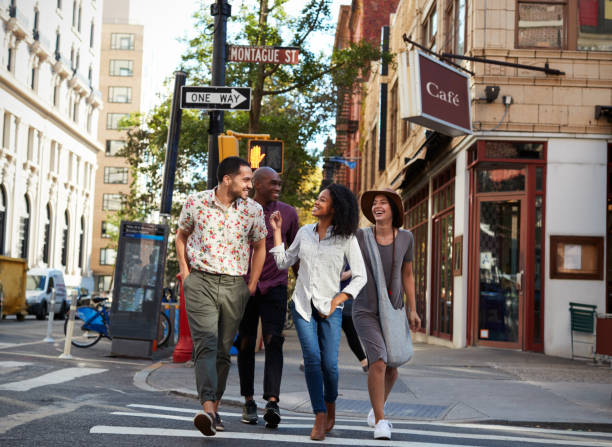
(49, 106)
(511, 221)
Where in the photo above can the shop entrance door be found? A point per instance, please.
(501, 270)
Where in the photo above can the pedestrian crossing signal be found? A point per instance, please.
(269, 153)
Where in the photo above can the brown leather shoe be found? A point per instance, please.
(331, 416)
(318, 431)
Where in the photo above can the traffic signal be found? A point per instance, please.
(228, 146)
(269, 153)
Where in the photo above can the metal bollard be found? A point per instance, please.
(70, 328)
(51, 309)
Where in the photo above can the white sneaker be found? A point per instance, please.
(371, 419)
(382, 429)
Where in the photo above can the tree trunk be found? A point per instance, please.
(257, 94)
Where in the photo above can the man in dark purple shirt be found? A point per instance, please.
(269, 303)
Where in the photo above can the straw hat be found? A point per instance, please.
(367, 198)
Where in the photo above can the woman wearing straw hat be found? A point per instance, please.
(389, 246)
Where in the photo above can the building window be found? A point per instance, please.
(373, 156)
(47, 236)
(65, 233)
(112, 202)
(455, 26)
(6, 130)
(58, 38)
(114, 146)
(108, 229)
(56, 91)
(121, 41)
(81, 241)
(103, 283)
(3, 207)
(108, 256)
(35, 32)
(115, 175)
(430, 29)
(91, 35)
(416, 221)
(24, 229)
(79, 18)
(393, 117)
(75, 111)
(74, 14)
(120, 67)
(120, 94)
(594, 25)
(10, 59)
(541, 24)
(112, 119)
(59, 4)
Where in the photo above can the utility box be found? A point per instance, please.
(137, 291)
(13, 286)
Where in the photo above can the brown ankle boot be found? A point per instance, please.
(331, 416)
(318, 431)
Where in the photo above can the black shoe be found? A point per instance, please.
(218, 423)
(205, 422)
(272, 415)
(249, 412)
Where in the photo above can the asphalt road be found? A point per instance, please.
(97, 400)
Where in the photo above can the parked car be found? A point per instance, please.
(39, 284)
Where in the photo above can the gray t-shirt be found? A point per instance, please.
(367, 300)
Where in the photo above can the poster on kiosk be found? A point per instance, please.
(137, 291)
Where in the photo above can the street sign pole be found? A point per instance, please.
(174, 131)
(220, 10)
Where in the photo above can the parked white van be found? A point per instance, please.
(39, 284)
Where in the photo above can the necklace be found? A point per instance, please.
(388, 281)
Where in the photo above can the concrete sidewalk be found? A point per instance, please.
(440, 384)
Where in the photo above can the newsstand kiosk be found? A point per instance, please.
(137, 291)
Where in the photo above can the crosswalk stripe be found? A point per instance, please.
(473, 436)
(9, 364)
(52, 378)
(398, 423)
(276, 437)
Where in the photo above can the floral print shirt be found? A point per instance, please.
(219, 236)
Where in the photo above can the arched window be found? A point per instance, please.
(81, 240)
(24, 229)
(3, 207)
(47, 240)
(65, 238)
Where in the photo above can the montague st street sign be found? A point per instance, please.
(263, 54)
(216, 98)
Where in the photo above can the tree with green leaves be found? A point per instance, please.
(295, 103)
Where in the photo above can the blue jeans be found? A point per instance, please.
(320, 339)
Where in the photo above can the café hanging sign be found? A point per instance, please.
(434, 95)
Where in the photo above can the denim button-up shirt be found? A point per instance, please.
(321, 263)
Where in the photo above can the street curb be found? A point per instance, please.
(140, 378)
(577, 426)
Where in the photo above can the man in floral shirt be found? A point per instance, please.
(216, 228)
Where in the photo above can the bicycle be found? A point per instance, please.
(91, 324)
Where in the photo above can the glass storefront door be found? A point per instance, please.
(500, 271)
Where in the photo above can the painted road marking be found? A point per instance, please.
(9, 364)
(272, 437)
(441, 434)
(397, 423)
(52, 378)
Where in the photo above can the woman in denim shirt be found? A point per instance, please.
(322, 250)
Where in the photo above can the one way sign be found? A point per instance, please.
(216, 98)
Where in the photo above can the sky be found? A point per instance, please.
(164, 27)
